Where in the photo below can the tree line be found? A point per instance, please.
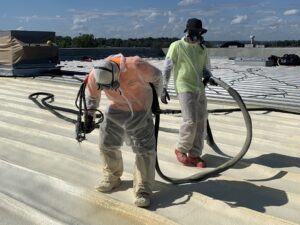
(285, 43)
(89, 41)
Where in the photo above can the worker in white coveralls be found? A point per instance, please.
(188, 59)
(128, 117)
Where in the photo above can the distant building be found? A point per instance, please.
(231, 44)
(249, 45)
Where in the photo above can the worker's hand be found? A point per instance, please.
(208, 80)
(89, 124)
(164, 96)
(212, 82)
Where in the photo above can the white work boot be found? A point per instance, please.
(106, 186)
(142, 200)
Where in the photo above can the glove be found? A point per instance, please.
(209, 81)
(89, 124)
(164, 96)
(212, 82)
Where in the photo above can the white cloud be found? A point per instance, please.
(138, 26)
(188, 2)
(291, 12)
(296, 26)
(79, 20)
(35, 17)
(20, 28)
(79, 23)
(205, 13)
(79, 27)
(239, 19)
(146, 13)
(270, 21)
(264, 12)
(152, 16)
(172, 17)
(171, 22)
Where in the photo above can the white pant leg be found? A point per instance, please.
(144, 172)
(112, 164)
(143, 145)
(187, 130)
(111, 140)
(201, 131)
(193, 128)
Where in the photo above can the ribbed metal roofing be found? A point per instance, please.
(48, 178)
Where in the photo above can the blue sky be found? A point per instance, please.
(224, 19)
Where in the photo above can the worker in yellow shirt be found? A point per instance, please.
(188, 59)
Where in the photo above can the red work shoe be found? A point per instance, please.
(182, 157)
(196, 161)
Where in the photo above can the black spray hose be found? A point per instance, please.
(53, 109)
(207, 173)
(157, 111)
(80, 104)
(268, 109)
(80, 101)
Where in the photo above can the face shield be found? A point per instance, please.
(107, 74)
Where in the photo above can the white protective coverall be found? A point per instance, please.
(128, 117)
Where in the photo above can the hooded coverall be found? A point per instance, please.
(128, 118)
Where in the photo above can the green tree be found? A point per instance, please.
(84, 41)
(64, 42)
